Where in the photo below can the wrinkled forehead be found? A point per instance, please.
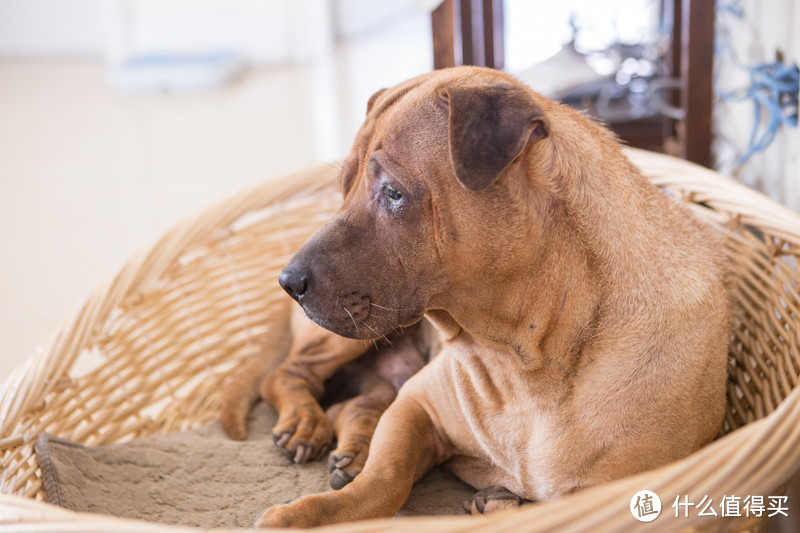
(404, 121)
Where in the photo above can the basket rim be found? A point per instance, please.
(728, 194)
(37, 375)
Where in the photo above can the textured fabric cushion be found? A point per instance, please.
(202, 478)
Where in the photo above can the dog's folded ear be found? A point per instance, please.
(374, 98)
(489, 126)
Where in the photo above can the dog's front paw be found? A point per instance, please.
(303, 432)
(491, 500)
(345, 464)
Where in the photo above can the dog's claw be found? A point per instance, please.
(301, 434)
(343, 462)
(282, 439)
(304, 453)
(337, 465)
(492, 499)
(309, 453)
(340, 478)
(299, 454)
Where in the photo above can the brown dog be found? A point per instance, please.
(584, 313)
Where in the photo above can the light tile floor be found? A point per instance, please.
(87, 178)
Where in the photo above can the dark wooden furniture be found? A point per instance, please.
(694, 37)
(470, 32)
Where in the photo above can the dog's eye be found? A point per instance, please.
(393, 195)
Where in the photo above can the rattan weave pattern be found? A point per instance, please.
(166, 330)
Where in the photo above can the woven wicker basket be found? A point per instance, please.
(164, 333)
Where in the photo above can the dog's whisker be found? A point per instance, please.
(394, 328)
(370, 328)
(384, 337)
(388, 308)
(351, 318)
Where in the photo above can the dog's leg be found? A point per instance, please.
(241, 393)
(380, 376)
(403, 449)
(354, 421)
(303, 430)
(491, 500)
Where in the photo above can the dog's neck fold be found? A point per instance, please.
(557, 276)
(445, 324)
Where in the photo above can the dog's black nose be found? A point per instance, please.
(293, 282)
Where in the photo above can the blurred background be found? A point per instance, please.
(120, 118)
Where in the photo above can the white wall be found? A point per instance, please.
(263, 31)
(359, 18)
(791, 138)
(51, 28)
(767, 28)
